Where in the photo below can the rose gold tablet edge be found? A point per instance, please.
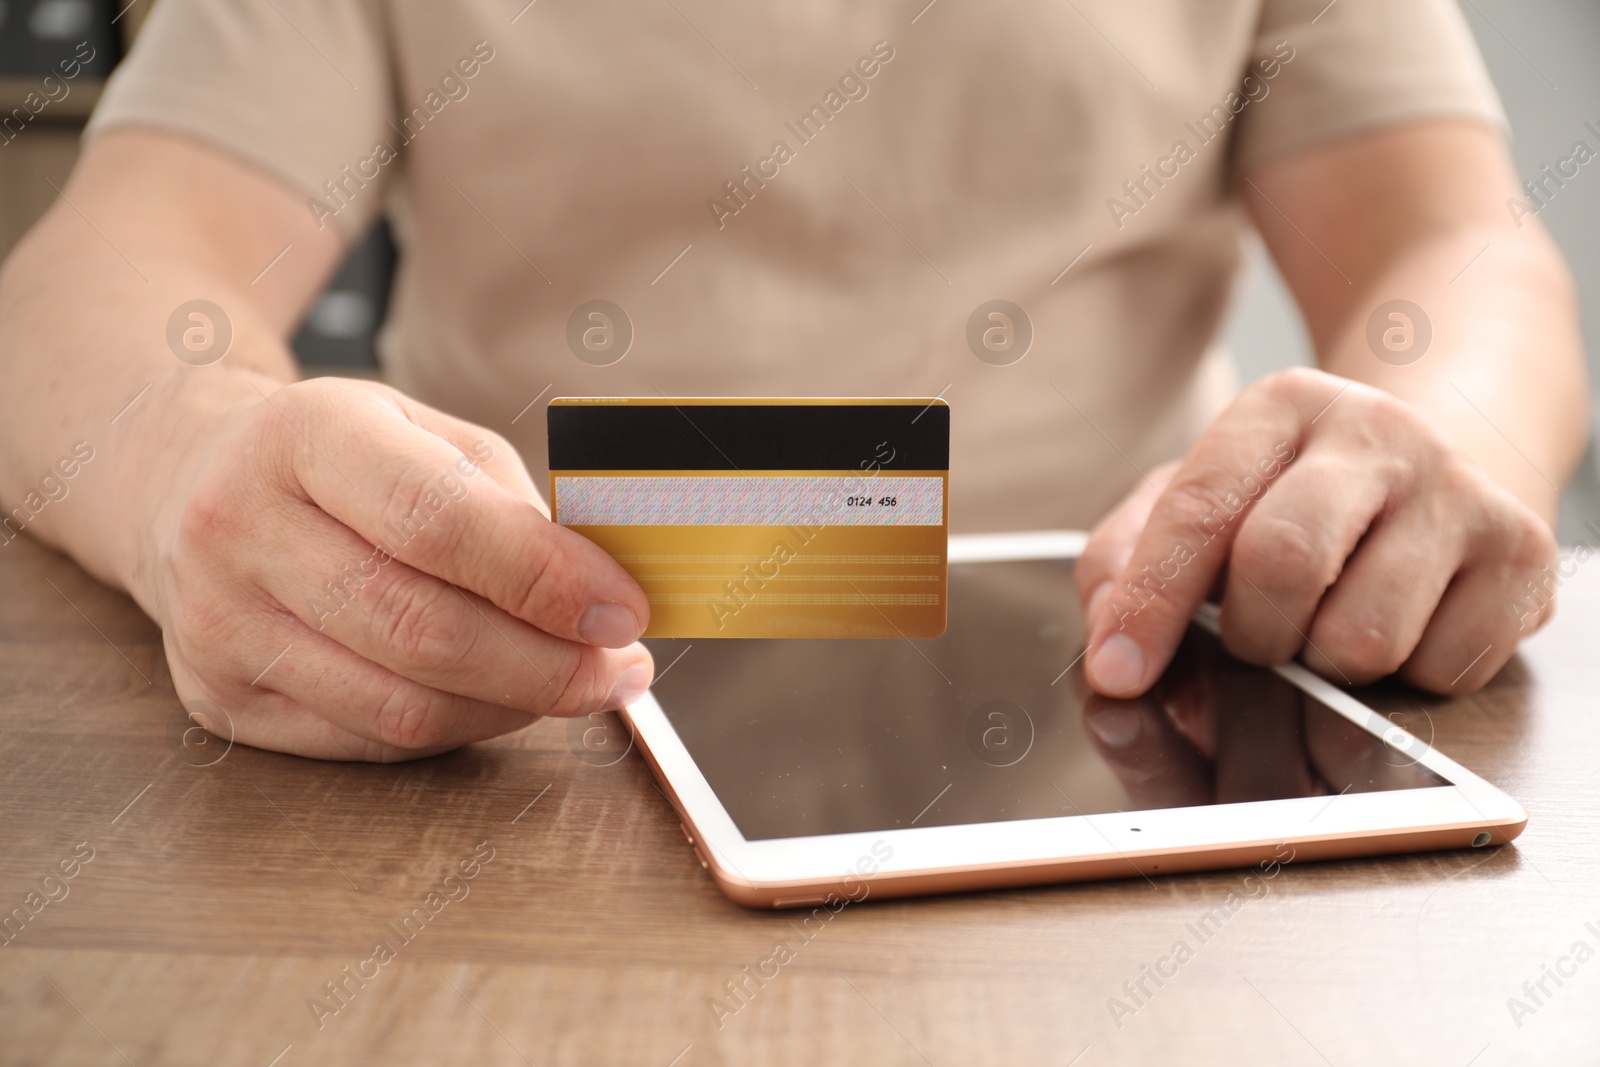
(1438, 837)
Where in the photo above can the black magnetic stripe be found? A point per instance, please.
(749, 437)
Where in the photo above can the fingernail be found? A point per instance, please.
(1117, 727)
(1117, 666)
(1091, 610)
(609, 625)
(631, 685)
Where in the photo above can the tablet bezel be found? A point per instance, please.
(825, 869)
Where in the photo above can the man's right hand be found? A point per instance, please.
(271, 575)
(253, 519)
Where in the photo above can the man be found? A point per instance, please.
(813, 199)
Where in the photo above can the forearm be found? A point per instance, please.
(148, 223)
(1417, 212)
(85, 365)
(1503, 375)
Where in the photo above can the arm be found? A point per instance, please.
(337, 570)
(146, 223)
(1390, 518)
(1404, 213)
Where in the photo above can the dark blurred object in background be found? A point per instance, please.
(37, 36)
(341, 328)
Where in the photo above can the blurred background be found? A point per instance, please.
(1540, 52)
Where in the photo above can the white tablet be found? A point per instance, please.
(817, 773)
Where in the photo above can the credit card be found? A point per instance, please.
(769, 517)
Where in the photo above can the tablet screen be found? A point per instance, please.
(988, 723)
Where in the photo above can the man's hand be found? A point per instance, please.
(351, 574)
(1338, 525)
(1378, 518)
(341, 571)
(354, 575)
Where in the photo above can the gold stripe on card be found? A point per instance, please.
(809, 559)
(812, 577)
(880, 599)
(785, 581)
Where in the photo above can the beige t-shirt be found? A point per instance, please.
(809, 198)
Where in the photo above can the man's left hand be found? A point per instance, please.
(1337, 525)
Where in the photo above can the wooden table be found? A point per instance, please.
(221, 898)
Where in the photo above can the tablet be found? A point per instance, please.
(820, 773)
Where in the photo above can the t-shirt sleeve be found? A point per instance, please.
(299, 88)
(1358, 65)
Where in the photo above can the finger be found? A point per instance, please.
(1290, 550)
(439, 635)
(1497, 598)
(503, 464)
(373, 703)
(1373, 617)
(1464, 645)
(415, 495)
(1157, 766)
(359, 697)
(1105, 556)
(273, 722)
(263, 719)
(1192, 526)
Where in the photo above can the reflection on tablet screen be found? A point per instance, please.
(801, 738)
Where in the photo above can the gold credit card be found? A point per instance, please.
(764, 517)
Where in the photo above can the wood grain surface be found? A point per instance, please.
(222, 896)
